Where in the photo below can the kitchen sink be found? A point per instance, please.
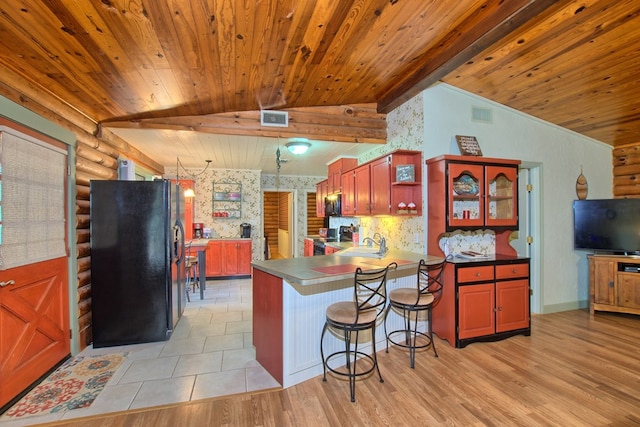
(361, 251)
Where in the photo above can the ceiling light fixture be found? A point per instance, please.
(298, 145)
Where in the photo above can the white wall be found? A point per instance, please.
(561, 153)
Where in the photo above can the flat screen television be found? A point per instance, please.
(608, 225)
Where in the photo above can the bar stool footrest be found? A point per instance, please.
(405, 344)
(362, 357)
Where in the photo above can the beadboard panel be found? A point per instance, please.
(304, 317)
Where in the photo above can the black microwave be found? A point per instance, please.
(333, 205)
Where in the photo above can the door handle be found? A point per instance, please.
(7, 283)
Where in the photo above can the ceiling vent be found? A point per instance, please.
(274, 118)
(482, 115)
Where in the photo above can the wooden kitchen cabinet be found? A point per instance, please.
(186, 184)
(213, 258)
(328, 250)
(483, 301)
(228, 258)
(322, 190)
(308, 247)
(348, 193)
(377, 190)
(335, 171)
(478, 192)
(614, 284)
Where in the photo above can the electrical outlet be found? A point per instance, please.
(416, 238)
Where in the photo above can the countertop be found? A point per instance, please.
(313, 270)
(204, 242)
(504, 259)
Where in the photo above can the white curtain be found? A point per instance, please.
(32, 200)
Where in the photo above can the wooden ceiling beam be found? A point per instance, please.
(477, 33)
(348, 123)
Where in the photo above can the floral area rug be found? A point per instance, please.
(75, 384)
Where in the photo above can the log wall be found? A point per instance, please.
(97, 155)
(626, 171)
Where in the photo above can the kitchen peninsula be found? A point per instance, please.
(290, 297)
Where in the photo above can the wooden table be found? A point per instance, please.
(200, 245)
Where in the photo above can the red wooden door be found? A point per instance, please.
(381, 186)
(362, 190)
(476, 310)
(244, 257)
(34, 324)
(512, 305)
(348, 193)
(230, 257)
(214, 259)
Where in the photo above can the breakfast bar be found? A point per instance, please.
(290, 297)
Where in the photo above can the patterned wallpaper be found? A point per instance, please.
(405, 128)
(251, 206)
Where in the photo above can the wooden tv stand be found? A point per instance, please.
(614, 283)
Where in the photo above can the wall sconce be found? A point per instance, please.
(298, 145)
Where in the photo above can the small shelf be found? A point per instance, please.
(227, 200)
(403, 183)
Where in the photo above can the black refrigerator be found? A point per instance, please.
(137, 261)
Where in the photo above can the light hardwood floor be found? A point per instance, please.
(574, 370)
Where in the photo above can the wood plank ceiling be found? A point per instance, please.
(337, 66)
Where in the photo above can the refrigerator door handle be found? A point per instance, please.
(179, 242)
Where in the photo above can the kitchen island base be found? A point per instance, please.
(288, 316)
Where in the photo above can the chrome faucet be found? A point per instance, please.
(369, 241)
(381, 242)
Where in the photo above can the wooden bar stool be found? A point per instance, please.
(361, 314)
(411, 303)
(191, 267)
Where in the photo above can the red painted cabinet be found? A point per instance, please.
(485, 301)
(328, 250)
(362, 190)
(186, 184)
(308, 247)
(214, 258)
(380, 176)
(348, 193)
(335, 171)
(321, 193)
(479, 193)
(378, 187)
(228, 258)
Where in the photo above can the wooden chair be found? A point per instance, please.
(412, 304)
(361, 314)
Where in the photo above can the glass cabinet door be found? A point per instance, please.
(501, 190)
(466, 201)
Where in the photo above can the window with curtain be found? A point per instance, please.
(32, 200)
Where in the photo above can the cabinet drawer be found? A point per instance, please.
(511, 271)
(475, 274)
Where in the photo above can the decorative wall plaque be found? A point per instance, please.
(405, 173)
(468, 145)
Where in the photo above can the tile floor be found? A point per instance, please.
(209, 354)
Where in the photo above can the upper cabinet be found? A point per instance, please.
(336, 169)
(388, 185)
(321, 192)
(473, 192)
